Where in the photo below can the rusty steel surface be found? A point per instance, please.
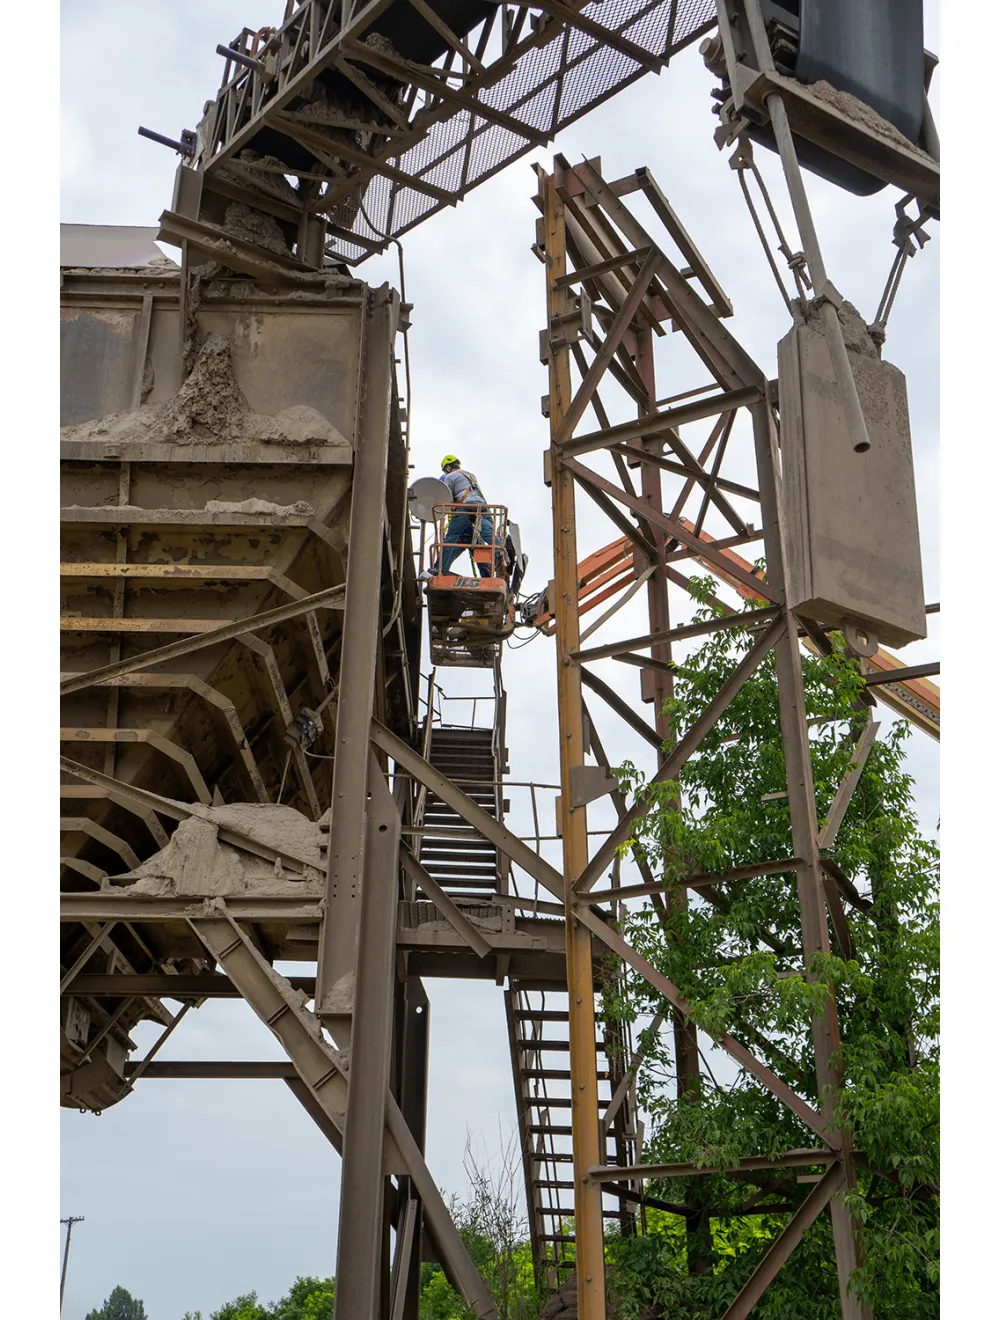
(587, 1200)
(637, 286)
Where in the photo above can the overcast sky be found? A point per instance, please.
(195, 1191)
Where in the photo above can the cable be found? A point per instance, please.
(904, 232)
(741, 161)
(283, 775)
(535, 633)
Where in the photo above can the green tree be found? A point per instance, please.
(495, 1231)
(307, 1299)
(245, 1307)
(738, 959)
(119, 1305)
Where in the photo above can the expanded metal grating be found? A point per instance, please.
(533, 74)
(550, 86)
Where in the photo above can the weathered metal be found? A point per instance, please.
(819, 889)
(191, 509)
(589, 1223)
(308, 484)
(359, 658)
(387, 112)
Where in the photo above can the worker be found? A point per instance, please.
(467, 525)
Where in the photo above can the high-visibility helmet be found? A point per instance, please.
(447, 461)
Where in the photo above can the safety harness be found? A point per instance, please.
(469, 476)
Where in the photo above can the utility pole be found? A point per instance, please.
(73, 1219)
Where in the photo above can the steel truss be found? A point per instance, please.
(383, 112)
(385, 911)
(594, 248)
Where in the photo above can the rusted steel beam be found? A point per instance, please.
(684, 748)
(578, 404)
(751, 619)
(593, 481)
(786, 1242)
(802, 1110)
(620, 707)
(481, 821)
(657, 423)
(587, 1200)
(699, 880)
(792, 1159)
(907, 672)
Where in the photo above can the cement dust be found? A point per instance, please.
(252, 226)
(196, 863)
(210, 406)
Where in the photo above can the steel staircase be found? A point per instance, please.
(464, 863)
(459, 859)
(538, 1031)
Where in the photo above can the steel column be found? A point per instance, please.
(412, 1046)
(660, 683)
(805, 845)
(588, 1203)
(359, 1245)
(359, 649)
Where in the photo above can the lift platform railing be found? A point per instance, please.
(488, 549)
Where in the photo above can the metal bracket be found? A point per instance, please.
(589, 782)
(569, 328)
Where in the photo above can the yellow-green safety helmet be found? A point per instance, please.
(447, 461)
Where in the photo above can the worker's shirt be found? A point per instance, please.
(463, 491)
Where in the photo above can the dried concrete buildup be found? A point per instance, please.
(280, 827)
(209, 400)
(272, 179)
(254, 226)
(873, 377)
(858, 110)
(197, 863)
(210, 406)
(258, 506)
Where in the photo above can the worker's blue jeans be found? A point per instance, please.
(461, 529)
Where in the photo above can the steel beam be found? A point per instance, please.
(792, 1159)
(322, 1072)
(359, 1244)
(444, 903)
(327, 600)
(682, 751)
(412, 1048)
(358, 654)
(587, 1200)
(805, 844)
(481, 821)
(166, 985)
(217, 1070)
(786, 1242)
